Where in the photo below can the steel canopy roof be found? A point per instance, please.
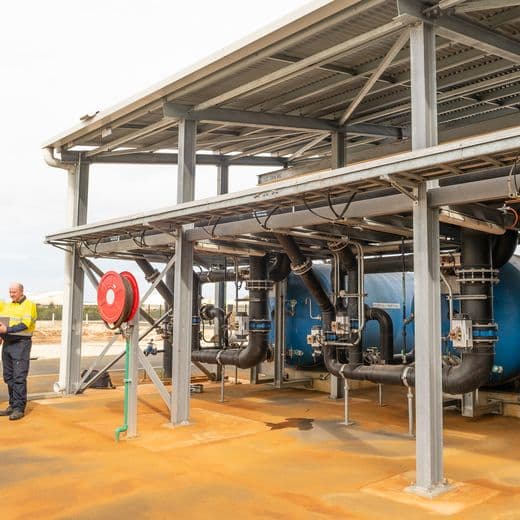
(283, 91)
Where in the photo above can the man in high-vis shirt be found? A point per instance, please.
(16, 351)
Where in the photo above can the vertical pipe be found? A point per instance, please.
(279, 358)
(222, 383)
(409, 396)
(346, 388)
(338, 160)
(220, 287)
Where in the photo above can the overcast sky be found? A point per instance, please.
(62, 59)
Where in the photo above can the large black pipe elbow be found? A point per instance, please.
(257, 349)
(386, 331)
(470, 374)
(281, 268)
(504, 247)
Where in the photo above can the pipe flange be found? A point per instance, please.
(477, 275)
(151, 276)
(259, 285)
(301, 269)
(262, 326)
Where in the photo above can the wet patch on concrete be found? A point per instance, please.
(301, 423)
(19, 464)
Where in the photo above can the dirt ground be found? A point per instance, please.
(50, 332)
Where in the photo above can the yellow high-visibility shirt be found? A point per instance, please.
(24, 312)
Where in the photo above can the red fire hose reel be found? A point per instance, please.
(117, 298)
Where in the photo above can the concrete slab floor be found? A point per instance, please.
(262, 454)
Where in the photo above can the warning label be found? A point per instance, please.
(384, 305)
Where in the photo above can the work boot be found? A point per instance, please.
(8, 411)
(17, 414)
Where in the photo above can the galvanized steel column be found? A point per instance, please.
(70, 357)
(183, 282)
(428, 375)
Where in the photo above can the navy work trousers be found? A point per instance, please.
(16, 356)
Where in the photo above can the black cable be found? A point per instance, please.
(347, 205)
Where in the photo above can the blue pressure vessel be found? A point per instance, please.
(389, 291)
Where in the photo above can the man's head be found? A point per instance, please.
(16, 291)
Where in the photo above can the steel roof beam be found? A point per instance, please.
(463, 31)
(311, 62)
(401, 41)
(478, 36)
(505, 17)
(483, 5)
(172, 158)
(271, 120)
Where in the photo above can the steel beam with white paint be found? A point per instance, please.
(183, 281)
(70, 355)
(428, 361)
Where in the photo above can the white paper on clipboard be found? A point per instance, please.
(4, 320)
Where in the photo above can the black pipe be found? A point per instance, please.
(475, 365)
(151, 274)
(219, 275)
(389, 264)
(475, 254)
(195, 318)
(504, 247)
(386, 331)
(257, 349)
(471, 373)
(280, 268)
(303, 268)
(210, 312)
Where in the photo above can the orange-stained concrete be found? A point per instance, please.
(263, 454)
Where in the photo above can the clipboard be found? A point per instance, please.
(4, 320)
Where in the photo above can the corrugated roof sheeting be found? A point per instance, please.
(465, 77)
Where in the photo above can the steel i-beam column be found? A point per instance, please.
(338, 158)
(220, 287)
(428, 375)
(183, 280)
(133, 376)
(70, 357)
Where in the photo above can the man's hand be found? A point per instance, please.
(3, 328)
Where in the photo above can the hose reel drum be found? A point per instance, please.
(117, 298)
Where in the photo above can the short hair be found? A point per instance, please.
(19, 285)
